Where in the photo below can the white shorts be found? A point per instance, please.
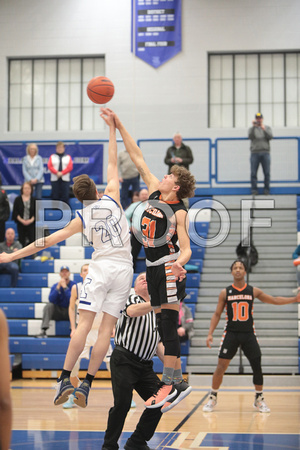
(106, 287)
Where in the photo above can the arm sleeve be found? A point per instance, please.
(40, 173)
(26, 175)
(69, 167)
(50, 166)
(54, 294)
(268, 133)
(189, 156)
(17, 209)
(168, 156)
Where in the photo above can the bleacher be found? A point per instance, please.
(24, 304)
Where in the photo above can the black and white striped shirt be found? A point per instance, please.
(138, 335)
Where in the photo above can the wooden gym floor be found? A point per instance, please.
(234, 425)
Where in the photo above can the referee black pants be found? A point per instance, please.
(128, 374)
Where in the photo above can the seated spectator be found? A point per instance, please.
(59, 299)
(24, 214)
(4, 211)
(185, 327)
(33, 169)
(8, 246)
(136, 245)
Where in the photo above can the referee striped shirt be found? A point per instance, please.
(138, 335)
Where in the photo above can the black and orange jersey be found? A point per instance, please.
(239, 308)
(158, 225)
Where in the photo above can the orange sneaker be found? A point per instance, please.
(163, 394)
(183, 389)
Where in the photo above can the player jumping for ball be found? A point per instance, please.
(109, 279)
(167, 248)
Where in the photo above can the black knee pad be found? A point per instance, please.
(169, 320)
(257, 371)
(159, 326)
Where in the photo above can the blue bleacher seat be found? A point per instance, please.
(37, 266)
(197, 252)
(75, 204)
(192, 280)
(192, 295)
(34, 345)
(17, 327)
(12, 224)
(198, 263)
(185, 347)
(18, 310)
(140, 266)
(88, 252)
(21, 295)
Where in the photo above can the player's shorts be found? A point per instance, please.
(231, 341)
(106, 287)
(162, 285)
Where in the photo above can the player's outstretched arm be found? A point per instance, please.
(112, 188)
(266, 298)
(134, 151)
(75, 226)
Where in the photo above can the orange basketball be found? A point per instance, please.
(100, 90)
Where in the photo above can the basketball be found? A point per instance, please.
(100, 90)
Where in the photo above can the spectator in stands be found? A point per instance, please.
(33, 169)
(130, 212)
(238, 300)
(179, 153)
(24, 214)
(131, 368)
(5, 397)
(129, 177)
(296, 258)
(185, 328)
(260, 136)
(10, 245)
(59, 299)
(4, 211)
(91, 337)
(60, 165)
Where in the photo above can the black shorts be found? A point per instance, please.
(162, 286)
(232, 340)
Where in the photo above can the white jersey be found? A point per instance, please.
(106, 228)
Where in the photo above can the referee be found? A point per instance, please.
(136, 342)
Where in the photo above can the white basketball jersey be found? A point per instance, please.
(106, 228)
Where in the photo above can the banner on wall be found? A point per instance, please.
(156, 30)
(87, 158)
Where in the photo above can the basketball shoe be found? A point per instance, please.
(260, 404)
(70, 403)
(63, 389)
(82, 393)
(212, 401)
(163, 394)
(183, 389)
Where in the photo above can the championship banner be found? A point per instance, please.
(87, 158)
(156, 30)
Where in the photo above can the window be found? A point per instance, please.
(50, 94)
(240, 85)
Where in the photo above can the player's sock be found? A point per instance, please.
(89, 378)
(214, 392)
(168, 374)
(65, 374)
(258, 394)
(177, 377)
